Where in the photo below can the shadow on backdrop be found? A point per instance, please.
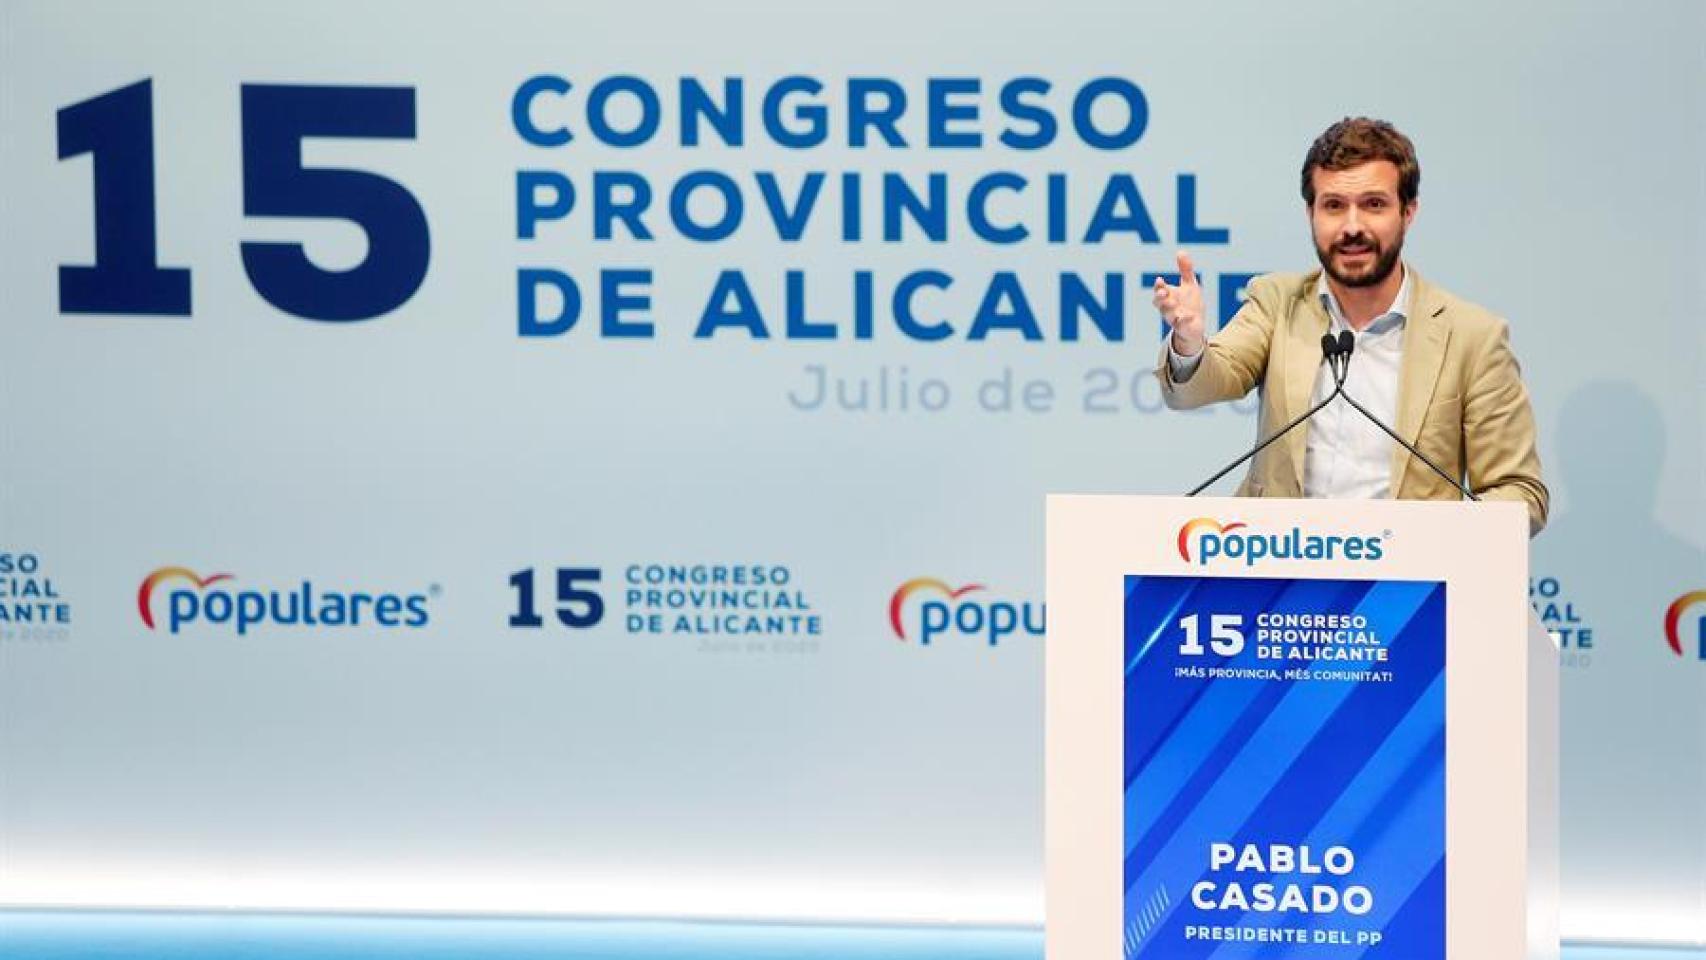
(1634, 720)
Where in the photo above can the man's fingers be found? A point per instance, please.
(1187, 272)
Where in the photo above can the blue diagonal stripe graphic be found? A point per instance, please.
(1297, 756)
(1262, 758)
(1173, 751)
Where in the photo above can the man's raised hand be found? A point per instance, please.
(1181, 307)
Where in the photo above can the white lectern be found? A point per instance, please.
(1297, 729)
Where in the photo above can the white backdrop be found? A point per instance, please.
(826, 765)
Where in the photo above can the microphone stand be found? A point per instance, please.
(1332, 350)
(1346, 344)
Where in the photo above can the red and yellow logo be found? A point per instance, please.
(146, 591)
(1673, 621)
(1200, 525)
(910, 587)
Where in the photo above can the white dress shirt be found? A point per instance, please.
(1346, 456)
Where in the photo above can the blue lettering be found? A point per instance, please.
(182, 607)
(613, 302)
(276, 122)
(598, 108)
(969, 618)
(1107, 315)
(931, 217)
(933, 620)
(1232, 293)
(942, 112)
(977, 208)
(680, 212)
(903, 315)
(696, 104)
(861, 115)
(1137, 113)
(1057, 208)
(521, 111)
(744, 314)
(799, 327)
(251, 609)
(530, 208)
(1003, 619)
(851, 209)
(1189, 232)
(815, 116)
(1045, 126)
(863, 314)
(1004, 287)
(528, 321)
(217, 608)
(607, 208)
(790, 224)
(1121, 192)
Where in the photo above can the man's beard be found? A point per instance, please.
(1385, 261)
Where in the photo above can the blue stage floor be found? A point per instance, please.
(164, 936)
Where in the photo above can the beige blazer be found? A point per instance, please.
(1460, 393)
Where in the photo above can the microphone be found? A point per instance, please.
(1337, 355)
(1346, 344)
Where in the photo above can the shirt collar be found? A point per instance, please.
(1393, 317)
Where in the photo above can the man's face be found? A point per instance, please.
(1358, 223)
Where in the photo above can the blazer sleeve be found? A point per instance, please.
(1234, 359)
(1498, 432)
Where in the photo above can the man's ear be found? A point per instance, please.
(1410, 212)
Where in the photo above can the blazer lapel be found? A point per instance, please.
(1425, 332)
(1302, 365)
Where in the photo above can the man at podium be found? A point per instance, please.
(1436, 369)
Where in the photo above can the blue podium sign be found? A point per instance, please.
(1284, 768)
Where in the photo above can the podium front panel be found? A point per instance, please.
(1286, 729)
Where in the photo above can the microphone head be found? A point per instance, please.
(1329, 347)
(1347, 342)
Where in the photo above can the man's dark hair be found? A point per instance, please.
(1358, 140)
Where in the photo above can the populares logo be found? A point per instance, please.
(1203, 539)
(190, 599)
(966, 611)
(1674, 622)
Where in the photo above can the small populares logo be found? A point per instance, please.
(145, 593)
(1674, 621)
(968, 612)
(1196, 527)
(188, 599)
(1204, 538)
(897, 603)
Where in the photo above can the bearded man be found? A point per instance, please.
(1437, 369)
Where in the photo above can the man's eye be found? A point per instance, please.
(1377, 204)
